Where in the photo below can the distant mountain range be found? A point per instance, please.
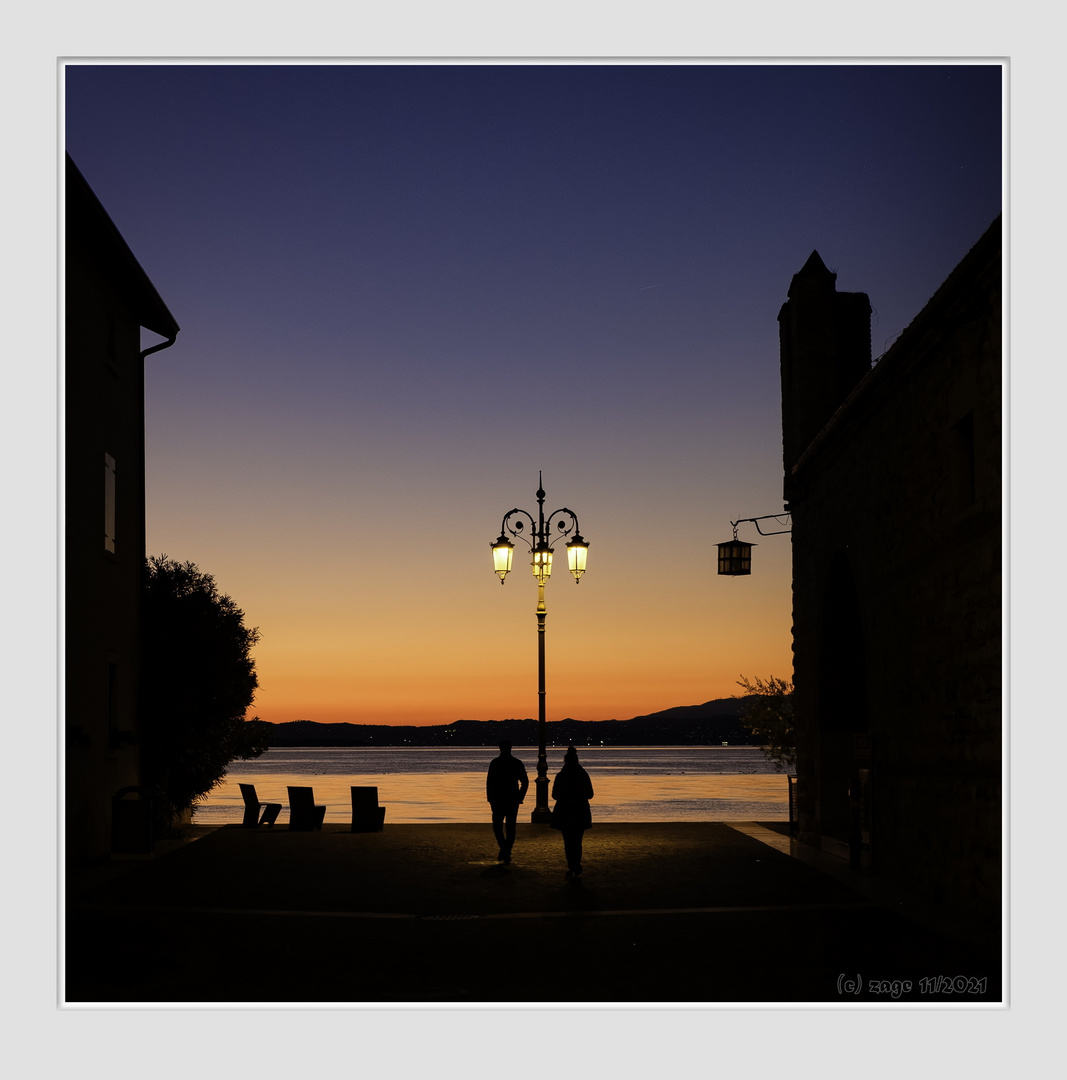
(710, 724)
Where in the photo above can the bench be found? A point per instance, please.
(304, 815)
(367, 815)
(252, 807)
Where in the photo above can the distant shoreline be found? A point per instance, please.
(710, 724)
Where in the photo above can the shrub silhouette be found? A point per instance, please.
(197, 681)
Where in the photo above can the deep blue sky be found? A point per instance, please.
(405, 289)
(531, 203)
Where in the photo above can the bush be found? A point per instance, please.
(767, 714)
(198, 680)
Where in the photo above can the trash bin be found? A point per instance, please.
(131, 824)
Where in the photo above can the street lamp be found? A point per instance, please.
(539, 541)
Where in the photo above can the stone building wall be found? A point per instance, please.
(897, 525)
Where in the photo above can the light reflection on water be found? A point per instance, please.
(448, 784)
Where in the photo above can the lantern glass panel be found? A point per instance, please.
(502, 554)
(576, 556)
(542, 563)
(735, 558)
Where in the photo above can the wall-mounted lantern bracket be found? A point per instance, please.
(780, 518)
(735, 556)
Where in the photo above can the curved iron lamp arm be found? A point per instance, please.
(517, 529)
(566, 530)
(541, 528)
(766, 517)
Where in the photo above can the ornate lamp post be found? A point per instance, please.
(541, 551)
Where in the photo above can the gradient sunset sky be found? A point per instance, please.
(405, 289)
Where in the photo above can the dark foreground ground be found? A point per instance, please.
(664, 913)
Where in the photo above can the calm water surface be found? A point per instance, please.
(447, 784)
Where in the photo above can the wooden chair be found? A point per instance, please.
(367, 815)
(252, 807)
(303, 813)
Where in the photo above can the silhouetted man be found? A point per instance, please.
(505, 788)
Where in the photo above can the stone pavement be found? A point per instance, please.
(665, 913)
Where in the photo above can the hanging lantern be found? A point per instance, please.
(735, 557)
(503, 549)
(577, 550)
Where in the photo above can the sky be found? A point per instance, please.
(406, 290)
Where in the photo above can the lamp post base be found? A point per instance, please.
(541, 815)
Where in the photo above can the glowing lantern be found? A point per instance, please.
(503, 549)
(542, 562)
(577, 550)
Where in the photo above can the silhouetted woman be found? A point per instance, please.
(572, 791)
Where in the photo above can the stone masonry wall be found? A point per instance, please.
(889, 490)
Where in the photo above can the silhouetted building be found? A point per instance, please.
(108, 299)
(893, 478)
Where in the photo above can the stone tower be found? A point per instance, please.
(825, 341)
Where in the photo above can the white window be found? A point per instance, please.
(109, 503)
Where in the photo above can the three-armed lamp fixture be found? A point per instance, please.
(539, 540)
(541, 552)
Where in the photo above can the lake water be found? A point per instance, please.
(447, 784)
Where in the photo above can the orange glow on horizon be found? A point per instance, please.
(348, 633)
(607, 656)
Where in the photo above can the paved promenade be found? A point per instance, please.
(665, 913)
